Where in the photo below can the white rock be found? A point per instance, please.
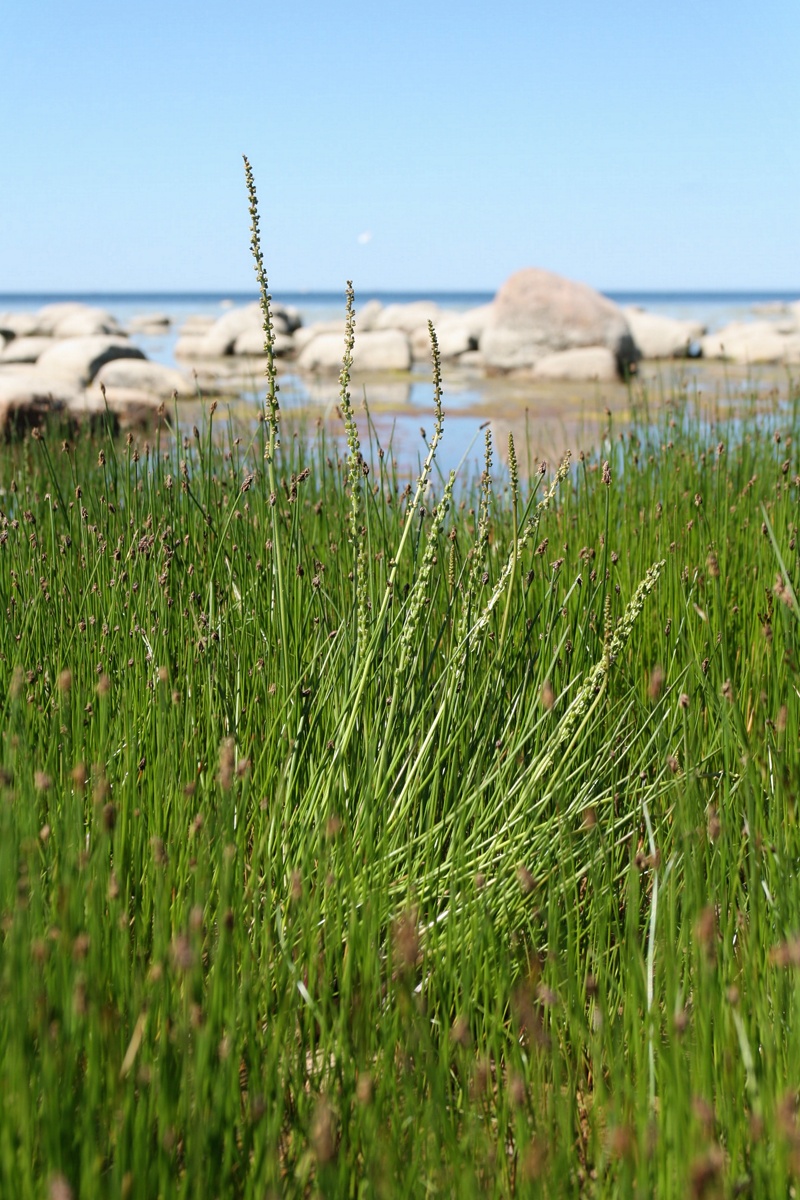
(220, 338)
(25, 349)
(251, 343)
(473, 360)
(752, 342)
(290, 319)
(197, 323)
(794, 312)
(583, 363)
(375, 350)
(407, 317)
(537, 313)
(367, 316)
(22, 384)
(86, 323)
(80, 358)
(49, 316)
(191, 346)
(19, 324)
(457, 333)
(129, 406)
(139, 374)
(658, 336)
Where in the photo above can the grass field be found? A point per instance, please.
(364, 836)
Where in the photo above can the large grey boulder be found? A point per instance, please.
(138, 374)
(375, 350)
(25, 349)
(752, 342)
(537, 313)
(583, 363)
(80, 358)
(658, 336)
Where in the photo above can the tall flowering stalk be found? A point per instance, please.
(355, 473)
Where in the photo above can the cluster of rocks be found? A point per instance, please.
(60, 358)
(539, 324)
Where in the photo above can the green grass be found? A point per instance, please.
(364, 838)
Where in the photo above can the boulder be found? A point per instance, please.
(139, 374)
(752, 342)
(657, 336)
(79, 359)
(453, 337)
(49, 316)
(407, 317)
(537, 313)
(251, 342)
(308, 333)
(288, 316)
(367, 315)
(190, 345)
(86, 323)
(129, 407)
(73, 318)
(22, 385)
(221, 337)
(196, 324)
(25, 349)
(19, 324)
(375, 350)
(583, 363)
(473, 360)
(457, 333)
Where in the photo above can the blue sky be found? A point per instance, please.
(630, 144)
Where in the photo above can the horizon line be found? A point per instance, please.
(307, 293)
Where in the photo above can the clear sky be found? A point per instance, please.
(435, 144)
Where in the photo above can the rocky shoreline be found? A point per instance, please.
(77, 360)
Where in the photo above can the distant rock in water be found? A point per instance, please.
(586, 362)
(754, 342)
(537, 313)
(377, 350)
(658, 336)
(80, 358)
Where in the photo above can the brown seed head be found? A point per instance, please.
(656, 682)
(323, 1132)
(406, 940)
